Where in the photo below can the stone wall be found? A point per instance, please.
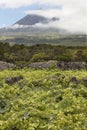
(47, 64)
(5, 65)
(58, 64)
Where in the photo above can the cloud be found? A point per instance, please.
(49, 13)
(15, 3)
(73, 14)
(21, 3)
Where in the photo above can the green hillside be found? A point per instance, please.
(43, 100)
(46, 38)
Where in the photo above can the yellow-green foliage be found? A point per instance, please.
(43, 100)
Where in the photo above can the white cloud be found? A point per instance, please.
(49, 13)
(21, 3)
(15, 3)
(73, 15)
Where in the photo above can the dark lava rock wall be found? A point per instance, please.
(58, 64)
(5, 65)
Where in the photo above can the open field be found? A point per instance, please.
(43, 100)
(55, 39)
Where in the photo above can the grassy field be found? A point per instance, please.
(43, 100)
(55, 39)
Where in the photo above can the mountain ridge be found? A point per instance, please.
(32, 19)
(28, 25)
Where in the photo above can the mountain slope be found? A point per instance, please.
(27, 25)
(34, 19)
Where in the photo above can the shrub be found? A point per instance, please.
(39, 57)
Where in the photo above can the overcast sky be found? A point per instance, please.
(72, 13)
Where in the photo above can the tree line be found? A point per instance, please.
(21, 54)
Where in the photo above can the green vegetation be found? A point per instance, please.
(20, 54)
(46, 38)
(47, 99)
(43, 100)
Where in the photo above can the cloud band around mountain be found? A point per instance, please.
(73, 13)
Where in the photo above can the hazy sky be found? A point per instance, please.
(72, 13)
